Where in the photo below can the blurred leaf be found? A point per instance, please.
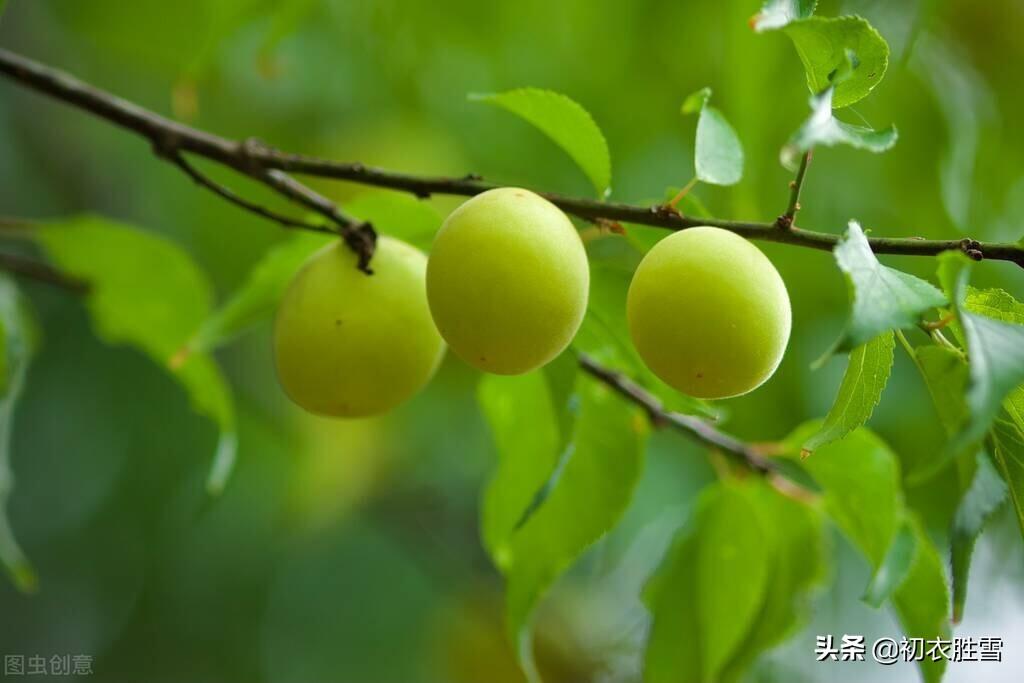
(148, 293)
(3, 6)
(866, 376)
(1008, 454)
(397, 215)
(894, 568)
(823, 129)
(823, 43)
(718, 154)
(995, 348)
(922, 602)
(734, 583)
(16, 327)
(794, 535)
(564, 121)
(945, 374)
(778, 13)
(883, 298)
(967, 105)
(592, 490)
(984, 496)
(860, 479)
(257, 298)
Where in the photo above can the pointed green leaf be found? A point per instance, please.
(883, 298)
(822, 129)
(568, 124)
(860, 479)
(146, 292)
(995, 348)
(734, 583)
(591, 490)
(983, 497)
(718, 155)
(894, 568)
(778, 13)
(823, 43)
(866, 376)
(1008, 455)
(922, 602)
(16, 326)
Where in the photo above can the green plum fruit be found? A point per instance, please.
(507, 281)
(347, 344)
(709, 313)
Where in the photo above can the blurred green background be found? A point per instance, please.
(348, 551)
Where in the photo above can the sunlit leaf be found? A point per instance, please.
(17, 350)
(777, 13)
(867, 373)
(995, 349)
(568, 124)
(588, 494)
(883, 298)
(718, 154)
(146, 292)
(823, 44)
(822, 129)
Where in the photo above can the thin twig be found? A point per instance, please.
(694, 427)
(41, 272)
(250, 159)
(234, 198)
(785, 221)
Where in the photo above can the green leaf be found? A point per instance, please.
(257, 298)
(822, 129)
(861, 482)
(568, 124)
(146, 292)
(984, 496)
(995, 349)
(16, 324)
(922, 602)
(718, 155)
(823, 43)
(734, 583)
(1008, 454)
(894, 568)
(883, 298)
(588, 496)
(778, 13)
(866, 376)
(945, 374)
(860, 479)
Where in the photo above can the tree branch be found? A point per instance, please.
(785, 221)
(255, 159)
(696, 428)
(41, 272)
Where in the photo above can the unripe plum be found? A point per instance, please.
(507, 281)
(709, 313)
(348, 344)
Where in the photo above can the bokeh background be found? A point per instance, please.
(348, 550)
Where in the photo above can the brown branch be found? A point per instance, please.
(785, 221)
(696, 428)
(41, 272)
(255, 159)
